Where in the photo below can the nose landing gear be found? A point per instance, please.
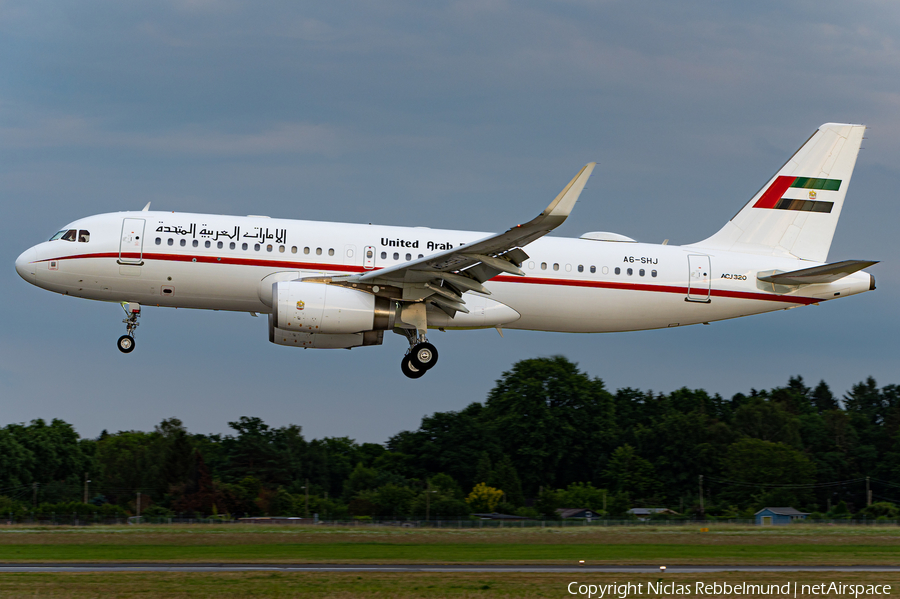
(132, 312)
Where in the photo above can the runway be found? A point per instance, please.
(381, 568)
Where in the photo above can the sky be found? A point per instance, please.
(461, 115)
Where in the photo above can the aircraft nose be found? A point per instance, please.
(25, 265)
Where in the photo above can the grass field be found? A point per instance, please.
(351, 585)
(808, 545)
(725, 545)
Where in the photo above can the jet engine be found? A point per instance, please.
(327, 316)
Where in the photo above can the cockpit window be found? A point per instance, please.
(70, 235)
(84, 236)
(58, 235)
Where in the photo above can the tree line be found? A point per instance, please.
(547, 436)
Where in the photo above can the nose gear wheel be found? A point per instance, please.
(126, 344)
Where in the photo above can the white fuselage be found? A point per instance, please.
(570, 285)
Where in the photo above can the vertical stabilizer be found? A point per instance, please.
(796, 212)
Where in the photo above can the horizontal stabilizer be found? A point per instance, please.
(826, 273)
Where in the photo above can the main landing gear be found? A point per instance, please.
(126, 341)
(421, 356)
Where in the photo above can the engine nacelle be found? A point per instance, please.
(321, 340)
(319, 308)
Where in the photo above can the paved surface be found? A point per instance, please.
(184, 567)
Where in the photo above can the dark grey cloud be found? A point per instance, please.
(461, 115)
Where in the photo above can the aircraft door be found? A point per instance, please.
(131, 243)
(369, 257)
(699, 278)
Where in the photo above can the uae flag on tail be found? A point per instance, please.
(772, 197)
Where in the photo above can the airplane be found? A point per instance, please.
(340, 285)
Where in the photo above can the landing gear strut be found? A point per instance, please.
(126, 341)
(421, 356)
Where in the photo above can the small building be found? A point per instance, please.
(577, 512)
(778, 515)
(644, 513)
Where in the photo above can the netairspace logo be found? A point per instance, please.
(624, 590)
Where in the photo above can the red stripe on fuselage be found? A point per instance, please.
(657, 289)
(771, 196)
(503, 278)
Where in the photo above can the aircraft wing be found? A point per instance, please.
(444, 277)
(826, 273)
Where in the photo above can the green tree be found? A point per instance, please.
(394, 501)
(361, 479)
(823, 398)
(553, 421)
(451, 442)
(17, 463)
(504, 476)
(766, 469)
(127, 462)
(252, 452)
(582, 495)
(628, 472)
(174, 456)
(768, 421)
(485, 469)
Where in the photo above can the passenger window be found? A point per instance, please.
(531, 265)
(396, 256)
(581, 268)
(70, 235)
(196, 243)
(641, 272)
(207, 244)
(318, 251)
(652, 273)
(543, 266)
(421, 256)
(331, 251)
(384, 255)
(369, 253)
(605, 270)
(555, 266)
(294, 249)
(220, 245)
(280, 249)
(629, 272)
(158, 241)
(255, 247)
(232, 245)
(170, 241)
(409, 256)
(183, 242)
(84, 236)
(244, 246)
(618, 270)
(305, 250)
(269, 248)
(568, 268)
(594, 269)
